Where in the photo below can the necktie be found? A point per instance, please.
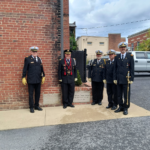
(35, 59)
(67, 61)
(122, 56)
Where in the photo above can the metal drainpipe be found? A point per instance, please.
(62, 32)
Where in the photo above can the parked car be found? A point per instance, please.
(141, 61)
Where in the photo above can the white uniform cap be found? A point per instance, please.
(99, 52)
(122, 44)
(34, 48)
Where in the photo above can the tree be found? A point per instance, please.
(79, 81)
(73, 43)
(144, 45)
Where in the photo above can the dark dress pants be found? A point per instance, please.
(97, 91)
(122, 90)
(37, 89)
(67, 93)
(112, 94)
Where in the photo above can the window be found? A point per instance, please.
(148, 55)
(89, 43)
(138, 45)
(101, 43)
(140, 55)
(132, 46)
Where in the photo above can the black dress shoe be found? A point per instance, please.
(119, 110)
(64, 106)
(38, 108)
(114, 108)
(93, 103)
(31, 110)
(100, 103)
(125, 112)
(109, 106)
(71, 105)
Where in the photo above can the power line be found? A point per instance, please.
(116, 24)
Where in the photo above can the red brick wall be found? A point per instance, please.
(114, 40)
(26, 23)
(135, 39)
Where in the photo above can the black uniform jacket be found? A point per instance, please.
(121, 68)
(67, 78)
(96, 71)
(109, 70)
(33, 69)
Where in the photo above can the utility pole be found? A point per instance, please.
(62, 29)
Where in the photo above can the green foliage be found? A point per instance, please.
(79, 81)
(73, 43)
(145, 45)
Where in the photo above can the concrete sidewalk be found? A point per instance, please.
(15, 119)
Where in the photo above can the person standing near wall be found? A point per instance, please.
(123, 68)
(67, 74)
(95, 75)
(108, 79)
(33, 68)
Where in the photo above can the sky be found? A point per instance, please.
(101, 17)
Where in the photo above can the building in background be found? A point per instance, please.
(136, 38)
(72, 29)
(93, 43)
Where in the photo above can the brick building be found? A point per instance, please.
(26, 23)
(135, 39)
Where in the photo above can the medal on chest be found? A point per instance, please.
(67, 68)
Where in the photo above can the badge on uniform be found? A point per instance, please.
(32, 62)
(94, 65)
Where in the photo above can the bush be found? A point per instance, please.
(79, 81)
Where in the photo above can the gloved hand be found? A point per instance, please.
(115, 82)
(75, 79)
(89, 79)
(43, 80)
(104, 81)
(24, 81)
(130, 82)
(60, 80)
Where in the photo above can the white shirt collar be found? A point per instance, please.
(123, 55)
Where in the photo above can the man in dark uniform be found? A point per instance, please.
(67, 74)
(95, 74)
(33, 67)
(123, 64)
(108, 78)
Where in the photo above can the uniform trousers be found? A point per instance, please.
(37, 89)
(97, 91)
(68, 93)
(122, 90)
(112, 94)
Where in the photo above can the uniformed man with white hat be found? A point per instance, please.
(123, 68)
(67, 74)
(95, 75)
(33, 68)
(108, 79)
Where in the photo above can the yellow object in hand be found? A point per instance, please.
(104, 81)
(115, 82)
(24, 81)
(89, 79)
(43, 80)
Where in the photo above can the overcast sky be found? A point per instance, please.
(100, 13)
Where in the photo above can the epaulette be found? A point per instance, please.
(59, 59)
(131, 54)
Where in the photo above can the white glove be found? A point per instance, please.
(60, 80)
(104, 81)
(75, 79)
(89, 79)
(115, 82)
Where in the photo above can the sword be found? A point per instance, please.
(128, 80)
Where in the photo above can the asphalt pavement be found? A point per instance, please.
(116, 134)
